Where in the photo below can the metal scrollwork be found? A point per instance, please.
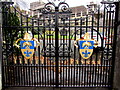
(49, 7)
(64, 7)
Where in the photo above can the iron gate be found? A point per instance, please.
(57, 62)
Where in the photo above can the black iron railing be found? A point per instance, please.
(57, 62)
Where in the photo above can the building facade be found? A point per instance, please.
(36, 8)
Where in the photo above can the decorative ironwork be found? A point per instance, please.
(62, 6)
(56, 62)
(49, 7)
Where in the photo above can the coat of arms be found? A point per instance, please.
(27, 45)
(86, 46)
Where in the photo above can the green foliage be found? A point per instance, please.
(11, 27)
(11, 20)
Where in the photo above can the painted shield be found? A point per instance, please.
(27, 48)
(86, 48)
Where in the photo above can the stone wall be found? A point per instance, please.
(116, 81)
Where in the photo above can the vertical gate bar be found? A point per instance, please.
(91, 72)
(69, 53)
(46, 71)
(33, 68)
(31, 77)
(85, 68)
(28, 61)
(86, 23)
(105, 33)
(114, 42)
(4, 24)
(111, 43)
(11, 41)
(45, 59)
(48, 41)
(106, 62)
(91, 67)
(53, 66)
(39, 77)
(21, 24)
(109, 28)
(64, 41)
(79, 59)
(70, 67)
(93, 77)
(9, 30)
(61, 77)
(44, 47)
(63, 50)
(27, 32)
(1, 53)
(34, 57)
(107, 45)
(77, 74)
(75, 52)
(112, 28)
(24, 71)
(67, 43)
(4, 76)
(73, 66)
(106, 24)
(15, 67)
(23, 60)
(97, 55)
(10, 67)
(6, 41)
(50, 50)
(101, 67)
(56, 46)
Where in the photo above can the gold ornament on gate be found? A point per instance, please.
(86, 46)
(27, 45)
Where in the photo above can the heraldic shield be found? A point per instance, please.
(86, 48)
(27, 48)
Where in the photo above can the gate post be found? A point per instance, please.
(56, 44)
(116, 50)
(0, 46)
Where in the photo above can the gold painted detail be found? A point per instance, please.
(27, 45)
(86, 46)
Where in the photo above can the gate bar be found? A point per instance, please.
(56, 45)
(0, 46)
